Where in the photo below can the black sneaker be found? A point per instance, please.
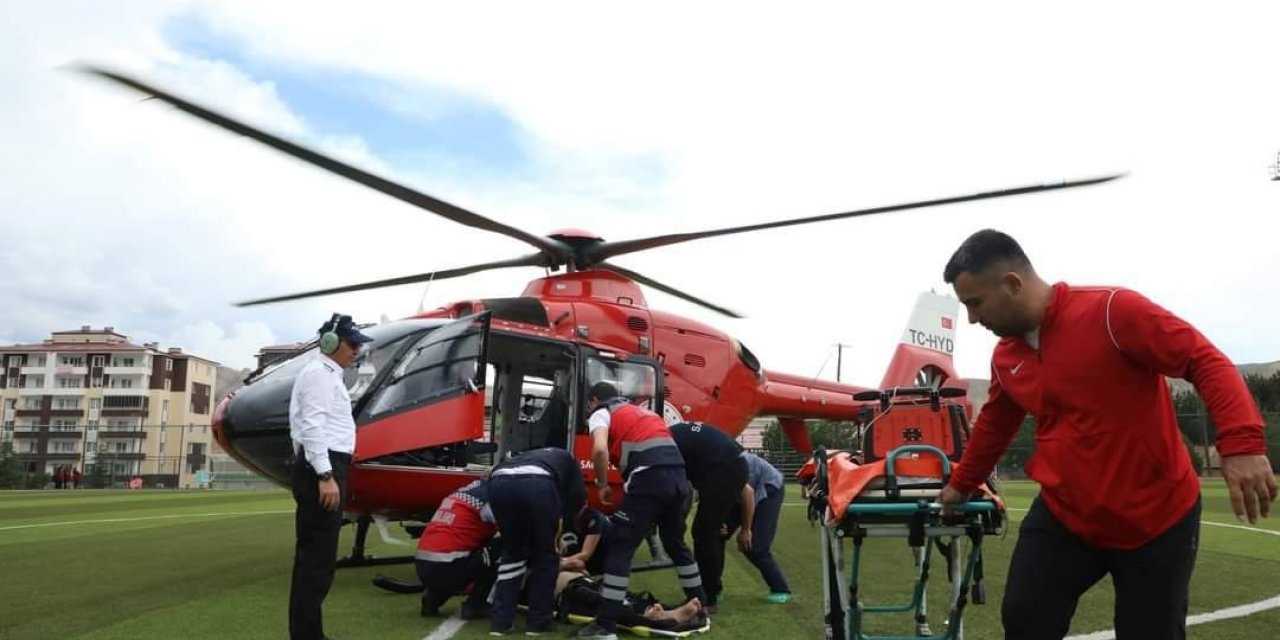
(595, 631)
(470, 611)
(503, 632)
(549, 629)
(430, 608)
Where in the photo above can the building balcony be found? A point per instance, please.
(50, 456)
(35, 370)
(136, 390)
(107, 433)
(33, 391)
(116, 456)
(65, 391)
(28, 413)
(63, 370)
(123, 413)
(136, 370)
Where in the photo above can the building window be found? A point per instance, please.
(167, 384)
(63, 446)
(168, 364)
(97, 361)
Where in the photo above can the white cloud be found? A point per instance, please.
(736, 114)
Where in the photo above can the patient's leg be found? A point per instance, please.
(680, 614)
(564, 578)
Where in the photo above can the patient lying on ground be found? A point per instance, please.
(578, 594)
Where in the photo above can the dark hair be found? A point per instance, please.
(982, 251)
(602, 391)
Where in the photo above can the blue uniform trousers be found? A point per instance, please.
(527, 509)
(654, 496)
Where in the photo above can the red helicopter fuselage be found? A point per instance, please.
(526, 363)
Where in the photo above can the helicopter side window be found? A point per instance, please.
(442, 364)
(637, 380)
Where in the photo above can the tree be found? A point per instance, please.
(827, 433)
(10, 468)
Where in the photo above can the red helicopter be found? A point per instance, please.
(420, 392)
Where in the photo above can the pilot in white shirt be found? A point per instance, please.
(324, 437)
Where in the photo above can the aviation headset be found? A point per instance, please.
(329, 339)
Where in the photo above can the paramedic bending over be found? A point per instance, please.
(1118, 495)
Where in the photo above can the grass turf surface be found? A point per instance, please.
(103, 565)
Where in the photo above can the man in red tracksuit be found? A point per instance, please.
(457, 549)
(1117, 492)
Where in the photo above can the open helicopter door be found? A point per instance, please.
(430, 406)
(640, 379)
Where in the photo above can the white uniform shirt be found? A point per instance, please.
(320, 413)
(599, 418)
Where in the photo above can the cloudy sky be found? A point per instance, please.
(634, 122)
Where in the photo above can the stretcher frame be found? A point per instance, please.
(892, 511)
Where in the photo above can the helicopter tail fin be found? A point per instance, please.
(923, 357)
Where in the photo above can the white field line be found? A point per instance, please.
(1201, 618)
(450, 626)
(142, 518)
(1239, 611)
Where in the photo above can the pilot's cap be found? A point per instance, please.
(347, 330)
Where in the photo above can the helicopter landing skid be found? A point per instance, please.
(358, 557)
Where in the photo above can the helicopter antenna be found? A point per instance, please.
(824, 365)
(423, 300)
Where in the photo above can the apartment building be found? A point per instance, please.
(87, 397)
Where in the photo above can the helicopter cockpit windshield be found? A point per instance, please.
(388, 341)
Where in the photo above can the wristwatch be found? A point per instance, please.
(326, 476)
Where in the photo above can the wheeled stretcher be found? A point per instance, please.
(895, 497)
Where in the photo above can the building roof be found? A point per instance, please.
(59, 343)
(73, 346)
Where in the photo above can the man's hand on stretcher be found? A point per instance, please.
(948, 497)
(1252, 485)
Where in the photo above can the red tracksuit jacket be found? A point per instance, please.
(1109, 456)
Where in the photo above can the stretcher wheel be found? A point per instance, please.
(980, 592)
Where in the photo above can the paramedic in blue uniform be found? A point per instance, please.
(530, 494)
(324, 436)
(639, 443)
(716, 466)
(758, 514)
(583, 545)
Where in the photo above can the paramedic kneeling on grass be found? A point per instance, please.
(1117, 491)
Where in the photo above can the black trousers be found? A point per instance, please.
(527, 508)
(316, 548)
(716, 498)
(654, 496)
(1051, 568)
(443, 580)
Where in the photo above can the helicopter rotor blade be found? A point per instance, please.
(645, 280)
(531, 260)
(395, 190)
(607, 250)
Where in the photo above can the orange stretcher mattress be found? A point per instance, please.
(847, 480)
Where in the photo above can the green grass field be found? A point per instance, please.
(99, 565)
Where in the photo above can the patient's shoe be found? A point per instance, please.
(594, 631)
(779, 597)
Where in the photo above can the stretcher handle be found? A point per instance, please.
(886, 395)
(918, 448)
